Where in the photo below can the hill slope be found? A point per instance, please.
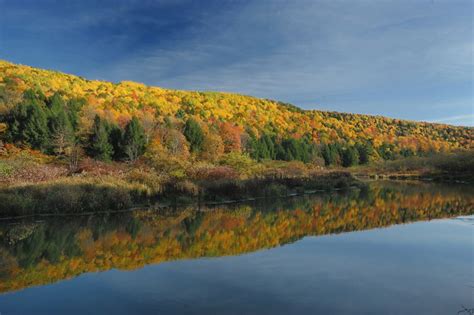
(244, 115)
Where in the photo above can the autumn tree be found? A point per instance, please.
(23, 107)
(174, 142)
(231, 136)
(212, 147)
(11, 93)
(74, 153)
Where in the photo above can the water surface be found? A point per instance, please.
(388, 249)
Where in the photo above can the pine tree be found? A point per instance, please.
(330, 154)
(36, 127)
(365, 151)
(115, 139)
(28, 122)
(74, 106)
(350, 157)
(264, 148)
(55, 102)
(62, 135)
(60, 127)
(194, 135)
(99, 146)
(133, 141)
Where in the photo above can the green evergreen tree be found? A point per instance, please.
(330, 153)
(407, 152)
(292, 149)
(55, 102)
(99, 146)
(35, 131)
(74, 106)
(134, 140)
(34, 95)
(365, 151)
(116, 139)
(386, 151)
(350, 157)
(62, 133)
(262, 148)
(267, 147)
(251, 145)
(28, 122)
(194, 135)
(60, 127)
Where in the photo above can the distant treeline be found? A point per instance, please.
(56, 126)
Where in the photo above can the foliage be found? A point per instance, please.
(458, 165)
(133, 141)
(28, 123)
(194, 135)
(5, 169)
(350, 156)
(99, 145)
(241, 163)
(50, 111)
(212, 147)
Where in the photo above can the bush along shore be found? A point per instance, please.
(35, 184)
(444, 167)
(97, 195)
(86, 195)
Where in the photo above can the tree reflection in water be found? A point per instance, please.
(37, 252)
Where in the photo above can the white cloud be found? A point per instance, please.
(309, 52)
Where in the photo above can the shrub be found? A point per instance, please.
(6, 169)
(241, 163)
(71, 195)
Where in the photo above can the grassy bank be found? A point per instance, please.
(456, 166)
(109, 186)
(40, 184)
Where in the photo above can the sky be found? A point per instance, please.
(409, 59)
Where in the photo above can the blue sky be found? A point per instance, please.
(404, 59)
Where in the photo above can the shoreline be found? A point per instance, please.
(209, 193)
(86, 195)
(437, 178)
(158, 206)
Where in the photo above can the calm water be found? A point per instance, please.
(389, 249)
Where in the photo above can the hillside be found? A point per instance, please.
(151, 105)
(70, 145)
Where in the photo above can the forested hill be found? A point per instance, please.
(262, 128)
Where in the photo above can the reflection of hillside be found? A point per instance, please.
(40, 253)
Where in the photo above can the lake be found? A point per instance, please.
(388, 248)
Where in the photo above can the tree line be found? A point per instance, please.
(53, 125)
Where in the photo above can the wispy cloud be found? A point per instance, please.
(467, 120)
(391, 58)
